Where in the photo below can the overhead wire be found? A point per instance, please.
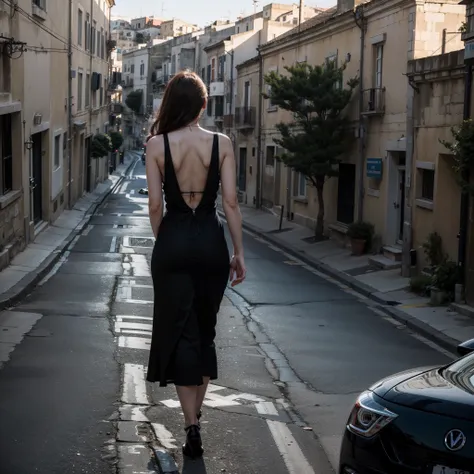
(55, 35)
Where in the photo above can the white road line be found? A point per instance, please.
(73, 242)
(123, 293)
(136, 412)
(291, 453)
(113, 244)
(115, 226)
(88, 229)
(171, 403)
(119, 326)
(266, 408)
(134, 331)
(131, 342)
(55, 268)
(133, 301)
(134, 387)
(122, 317)
(164, 437)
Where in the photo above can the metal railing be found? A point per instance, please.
(245, 117)
(374, 101)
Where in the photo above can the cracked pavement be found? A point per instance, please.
(294, 347)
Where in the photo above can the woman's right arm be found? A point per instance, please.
(230, 203)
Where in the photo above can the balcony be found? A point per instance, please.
(216, 89)
(245, 118)
(373, 101)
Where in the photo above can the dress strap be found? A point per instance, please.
(215, 155)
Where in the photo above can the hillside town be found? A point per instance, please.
(348, 344)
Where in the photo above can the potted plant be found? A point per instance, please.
(361, 234)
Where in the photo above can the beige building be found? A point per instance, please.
(438, 106)
(175, 27)
(38, 176)
(373, 178)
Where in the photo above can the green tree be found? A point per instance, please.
(116, 139)
(462, 148)
(134, 101)
(101, 145)
(321, 131)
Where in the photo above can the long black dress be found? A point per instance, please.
(190, 270)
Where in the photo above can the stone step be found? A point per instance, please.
(393, 253)
(380, 261)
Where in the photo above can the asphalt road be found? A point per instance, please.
(295, 349)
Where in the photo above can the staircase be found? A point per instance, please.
(389, 259)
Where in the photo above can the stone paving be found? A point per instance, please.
(387, 289)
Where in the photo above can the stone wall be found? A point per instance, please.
(12, 232)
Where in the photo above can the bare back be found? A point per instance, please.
(191, 150)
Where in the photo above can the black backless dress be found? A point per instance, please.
(190, 270)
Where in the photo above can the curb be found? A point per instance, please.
(387, 306)
(29, 281)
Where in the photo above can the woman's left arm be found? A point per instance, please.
(154, 150)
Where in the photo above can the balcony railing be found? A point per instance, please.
(245, 117)
(374, 101)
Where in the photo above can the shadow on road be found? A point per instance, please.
(194, 466)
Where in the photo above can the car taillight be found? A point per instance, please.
(368, 416)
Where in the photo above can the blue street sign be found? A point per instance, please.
(374, 168)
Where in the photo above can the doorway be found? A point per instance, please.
(346, 193)
(36, 188)
(395, 210)
(88, 164)
(242, 169)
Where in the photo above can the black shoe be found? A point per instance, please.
(193, 447)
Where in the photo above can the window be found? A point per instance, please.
(378, 65)
(7, 158)
(88, 90)
(98, 44)
(427, 184)
(79, 27)
(102, 43)
(203, 74)
(209, 107)
(332, 60)
(132, 68)
(87, 32)
(142, 70)
(213, 69)
(65, 153)
(79, 91)
(93, 30)
(40, 3)
(57, 152)
(299, 188)
(101, 97)
(270, 156)
(219, 106)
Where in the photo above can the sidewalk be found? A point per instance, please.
(387, 290)
(39, 257)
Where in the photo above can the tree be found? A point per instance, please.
(134, 101)
(101, 145)
(116, 139)
(462, 148)
(320, 132)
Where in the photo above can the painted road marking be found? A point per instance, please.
(214, 400)
(165, 438)
(266, 408)
(123, 317)
(132, 342)
(290, 451)
(134, 387)
(121, 326)
(87, 229)
(56, 267)
(113, 245)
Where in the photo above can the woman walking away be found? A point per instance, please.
(190, 263)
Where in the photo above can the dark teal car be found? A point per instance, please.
(418, 421)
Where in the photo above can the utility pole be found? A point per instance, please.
(69, 103)
(301, 13)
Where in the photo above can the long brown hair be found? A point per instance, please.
(183, 101)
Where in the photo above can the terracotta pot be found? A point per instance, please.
(358, 246)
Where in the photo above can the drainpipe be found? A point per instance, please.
(69, 104)
(361, 23)
(258, 193)
(407, 260)
(231, 101)
(464, 207)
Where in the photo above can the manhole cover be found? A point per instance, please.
(140, 242)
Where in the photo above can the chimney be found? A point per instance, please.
(346, 5)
